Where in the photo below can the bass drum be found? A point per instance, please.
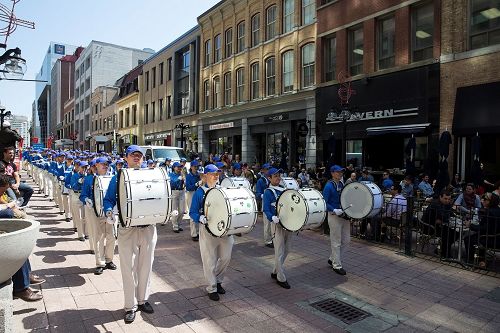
(144, 197)
(230, 211)
(289, 183)
(100, 187)
(236, 182)
(361, 200)
(301, 209)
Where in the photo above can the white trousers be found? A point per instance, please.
(66, 205)
(268, 236)
(78, 214)
(136, 246)
(340, 236)
(215, 256)
(48, 185)
(179, 205)
(282, 240)
(56, 189)
(192, 225)
(102, 237)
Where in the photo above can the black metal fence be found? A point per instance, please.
(469, 237)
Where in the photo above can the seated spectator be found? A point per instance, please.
(496, 189)
(16, 186)
(407, 187)
(351, 179)
(393, 210)
(365, 176)
(386, 181)
(468, 201)
(304, 178)
(426, 187)
(437, 217)
(457, 183)
(487, 232)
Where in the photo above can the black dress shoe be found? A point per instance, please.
(110, 265)
(214, 296)
(220, 290)
(146, 307)
(176, 231)
(274, 276)
(75, 229)
(238, 234)
(283, 284)
(68, 219)
(86, 237)
(330, 262)
(98, 270)
(129, 316)
(81, 239)
(340, 271)
(195, 239)
(180, 229)
(270, 245)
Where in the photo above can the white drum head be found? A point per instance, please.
(292, 210)
(100, 187)
(216, 211)
(289, 183)
(357, 199)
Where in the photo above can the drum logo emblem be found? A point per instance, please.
(221, 225)
(295, 198)
(148, 187)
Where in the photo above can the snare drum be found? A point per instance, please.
(230, 210)
(100, 187)
(361, 200)
(289, 183)
(235, 182)
(301, 209)
(144, 197)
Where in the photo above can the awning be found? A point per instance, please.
(410, 128)
(477, 109)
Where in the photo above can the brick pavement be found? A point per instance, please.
(402, 294)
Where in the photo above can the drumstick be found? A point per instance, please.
(350, 205)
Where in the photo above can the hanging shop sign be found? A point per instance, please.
(221, 126)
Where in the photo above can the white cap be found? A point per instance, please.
(6, 123)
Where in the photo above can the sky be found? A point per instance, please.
(139, 24)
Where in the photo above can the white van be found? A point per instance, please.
(160, 153)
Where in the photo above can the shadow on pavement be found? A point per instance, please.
(52, 257)
(63, 277)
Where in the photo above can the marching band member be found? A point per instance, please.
(101, 230)
(66, 186)
(137, 245)
(237, 170)
(168, 165)
(192, 184)
(215, 251)
(76, 206)
(340, 231)
(262, 184)
(58, 170)
(178, 199)
(282, 237)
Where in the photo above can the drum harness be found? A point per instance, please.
(273, 190)
(344, 215)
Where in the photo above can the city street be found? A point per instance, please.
(398, 294)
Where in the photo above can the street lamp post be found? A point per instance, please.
(182, 127)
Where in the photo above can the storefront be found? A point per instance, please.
(224, 137)
(125, 141)
(158, 139)
(392, 109)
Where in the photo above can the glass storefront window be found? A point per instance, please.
(221, 145)
(420, 151)
(354, 154)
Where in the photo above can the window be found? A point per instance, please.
(330, 54)
(217, 46)
(270, 76)
(385, 45)
(422, 32)
(134, 114)
(308, 11)
(146, 114)
(308, 65)
(241, 36)
(287, 71)
(153, 113)
(147, 81)
(216, 93)
(77, 74)
(288, 15)
(229, 42)
(240, 85)
(183, 95)
(169, 107)
(153, 77)
(87, 84)
(161, 73)
(484, 23)
(254, 77)
(169, 64)
(160, 109)
(127, 117)
(207, 52)
(356, 51)
(255, 30)
(186, 62)
(206, 93)
(227, 89)
(77, 92)
(271, 14)
(87, 63)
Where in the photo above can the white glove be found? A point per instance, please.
(338, 211)
(262, 196)
(174, 213)
(276, 219)
(203, 219)
(198, 183)
(89, 202)
(80, 181)
(109, 213)
(61, 177)
(110, 220)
